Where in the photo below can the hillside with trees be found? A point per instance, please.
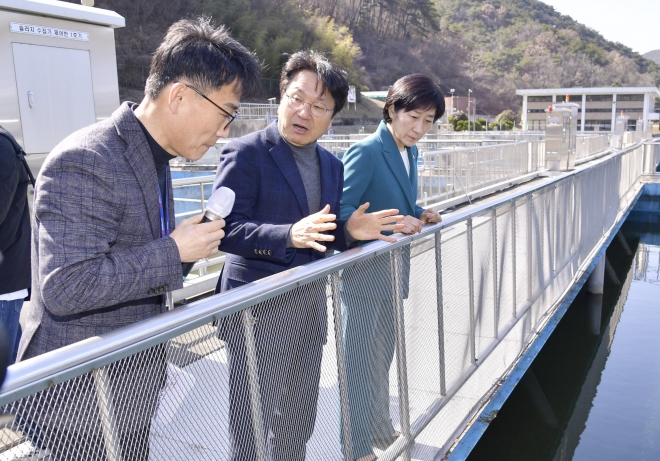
(492, 47)
(653, 56)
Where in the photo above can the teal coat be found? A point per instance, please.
(374, 172)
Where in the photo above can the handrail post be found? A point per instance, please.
(513, 256)
(441, 313)
(471, 333)
(105, 402)
(530, 205)
(400, 343)
(553, 230)
(347, 438)
(201, 196)
(253, 385)
(496, 298)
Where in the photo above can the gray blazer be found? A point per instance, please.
(98, 262)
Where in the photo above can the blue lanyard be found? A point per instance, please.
(164, 215)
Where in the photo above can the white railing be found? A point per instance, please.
(457, 172)
(467, 298)
(589, 145)
(251, 111)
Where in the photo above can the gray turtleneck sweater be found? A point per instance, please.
(310, 171)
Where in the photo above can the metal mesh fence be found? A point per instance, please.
(450, 173)
(387, 350)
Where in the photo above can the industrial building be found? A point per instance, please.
(598, 106)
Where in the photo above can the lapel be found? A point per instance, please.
(283, 158)
(395, 163)
(141, 161)
(412, 159)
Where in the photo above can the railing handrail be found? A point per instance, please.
(194, 180)
(465, 149)
(46, 370)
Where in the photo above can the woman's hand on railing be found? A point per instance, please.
(430, 216)
(411, 225)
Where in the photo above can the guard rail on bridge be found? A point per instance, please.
(450, 176)
(480, 286)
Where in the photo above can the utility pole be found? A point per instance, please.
(469, 102)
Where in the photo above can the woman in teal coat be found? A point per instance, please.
(382, 170)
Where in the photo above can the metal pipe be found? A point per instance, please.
(496, 298)
(253, 385)
(553, 229)
(201, 196)
(192, 181)
(441, 314)
(106, 405)
(347, 438)
(513, 255)
(400, 343)
(471, 333)
(530, 205)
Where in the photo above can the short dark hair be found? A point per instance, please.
(332, 76)
(206, 56)
(416, 91)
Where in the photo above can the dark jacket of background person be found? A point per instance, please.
(289, 331)
(14, 220)
(270, 197)
(98, 264)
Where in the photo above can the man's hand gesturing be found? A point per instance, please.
(368, 226)
(306, 232)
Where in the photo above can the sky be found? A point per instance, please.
(635, 23)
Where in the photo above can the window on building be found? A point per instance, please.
(597, 125)
(539, 99)
(599, 97)
(630, 97)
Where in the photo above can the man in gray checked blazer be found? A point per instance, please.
(104, 249)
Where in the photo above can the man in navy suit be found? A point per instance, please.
(288, 193)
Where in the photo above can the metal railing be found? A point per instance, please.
(339, 146)
(251, 111)
(447, 174)
(442, 175)
(190, 197)
(461, 302)
(587, 146)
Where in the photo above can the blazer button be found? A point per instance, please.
(270, 252)
(150, 292)
(256, 252)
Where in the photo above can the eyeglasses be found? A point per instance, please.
(228, 117)
(318, 109)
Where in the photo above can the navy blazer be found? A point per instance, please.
(270, 198)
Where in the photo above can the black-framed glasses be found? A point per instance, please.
(228, 117)
(317, 109)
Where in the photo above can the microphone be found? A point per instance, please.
(218, 206)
